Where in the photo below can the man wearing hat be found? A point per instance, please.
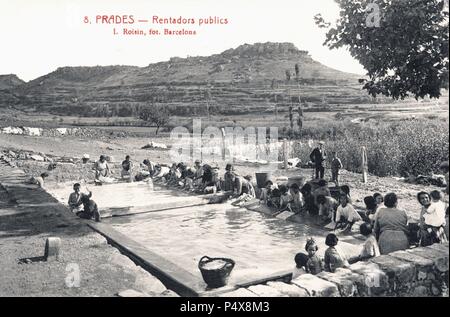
(318, 157)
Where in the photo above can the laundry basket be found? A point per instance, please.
(215, 271)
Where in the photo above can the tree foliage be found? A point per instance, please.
(403, 44)
(155, 114)
(288, 75)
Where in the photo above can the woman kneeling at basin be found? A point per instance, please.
(75, 198)
(102, 170)
(90, 209)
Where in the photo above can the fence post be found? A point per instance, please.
(224, 145)
(285, 154)
(364, 164)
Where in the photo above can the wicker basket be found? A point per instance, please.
(215, 277)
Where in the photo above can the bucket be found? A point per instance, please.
(215, 271)
(262, 178)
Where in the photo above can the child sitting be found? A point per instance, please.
(327, 207)
(308, 198)
(378, 199)
(434, 218)
(266, 191)
(285, 198)
(371, 209)
(229, 178)
(301, 260)
(321, 190)
(333, 258)
(174, 175)
(346, 215)
(370, 246)
(346, 190)
(314, 264)
(297, 198)
(274, 198)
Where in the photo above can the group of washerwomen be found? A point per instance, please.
(386, 230)
(389, 223)
(199, 178)
(385, 226)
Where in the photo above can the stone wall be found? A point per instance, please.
(415, 272)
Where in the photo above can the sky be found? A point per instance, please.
(39, 36)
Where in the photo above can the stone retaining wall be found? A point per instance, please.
(415, 272)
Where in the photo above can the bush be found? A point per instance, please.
(409, 147)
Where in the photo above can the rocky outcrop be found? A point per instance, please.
(10, 81)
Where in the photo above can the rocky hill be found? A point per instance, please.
(10, 81)
(248, 74)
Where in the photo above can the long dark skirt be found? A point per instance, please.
(391, 241)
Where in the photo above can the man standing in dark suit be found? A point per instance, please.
(318, 157)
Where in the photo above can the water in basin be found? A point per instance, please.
(125, 195)
(260, 245)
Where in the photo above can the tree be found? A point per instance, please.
(157, 115)
(273, 84)
(291, 117)
(208, 100)
(297, 72)
(288, 75)
(403, 45)
(300, 124)
(300, 110)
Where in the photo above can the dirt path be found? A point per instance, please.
(27, 217)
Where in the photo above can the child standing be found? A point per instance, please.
(314, 264)
(333, 258)
(434, 218)
(336, 165)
